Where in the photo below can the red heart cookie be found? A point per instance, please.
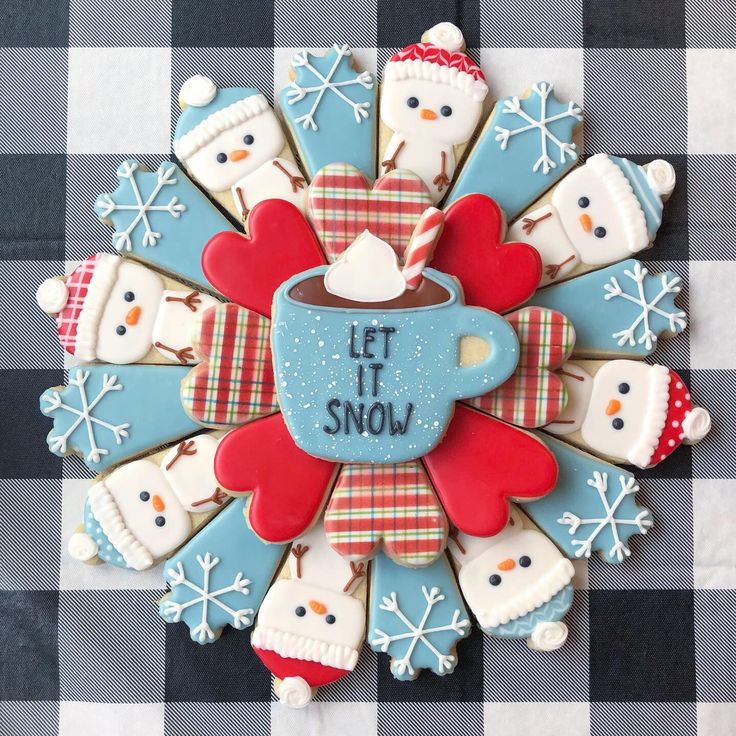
(495, 275)
(249, 268)
(234, 383)
(341, 205)
(481, 465)
(289, 487)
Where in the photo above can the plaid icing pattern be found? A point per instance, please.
(533, 396)
(341, 205)
(235, 383)
(67, 321)
(395, 504)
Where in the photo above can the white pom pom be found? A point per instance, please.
(198, 91)
(696, 425)
(51, 295)
(548, 636)
(661, 177)
(295, 692)
(446, 36)
(82, 547)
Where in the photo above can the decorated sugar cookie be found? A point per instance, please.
(117, 311)
(312, 621)
(231, 142)
(629, 411)
(220, 577)
(416, 617)
(145, 509)
(619, 311)
(431, 103)
(517, 584)
(603, 212)
(161, 217)
(531, 135)
(330, 109)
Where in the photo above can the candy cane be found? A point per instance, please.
(423, 239)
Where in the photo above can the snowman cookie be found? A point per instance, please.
(115, 310)
(517, 583)
(311, 624)
(603, 212)
(144, 510)
(431, 103)
(231, 142)
(628, 412)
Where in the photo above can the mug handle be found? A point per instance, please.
(479, 379)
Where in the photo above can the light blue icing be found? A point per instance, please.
(134, 408)
(604, 319)
(515, 176)
(339, 133)
(194, 115)
(552, 611)
(105, 549)
(573, 498)
(428, 601)
(418, 384)
(171, 237)
(649, 200)
(236, 555)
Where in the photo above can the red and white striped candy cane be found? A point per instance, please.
(423, 239)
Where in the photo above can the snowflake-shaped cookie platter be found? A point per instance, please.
(364, 337)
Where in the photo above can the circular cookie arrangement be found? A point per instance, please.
(374, 412)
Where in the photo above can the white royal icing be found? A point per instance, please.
(51, 295)
(294, 692)
(548, 636)
(82, 547)
(447, 36)
(191, 473)
(579, 386)
(270, 182)
(198, 91)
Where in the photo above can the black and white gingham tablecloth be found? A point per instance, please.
(88, 83)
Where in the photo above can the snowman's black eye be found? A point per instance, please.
(446, 111)
(413, 102)
(583, 202)
(300, 611)
(617, 423)
(144, 495)
(495, 580)
(624, 388)
(222, 157)
(129, 296)
(248, 139)
(330, 619)
(120, 329)
(600, 232)
(160, 521)
(525, 561)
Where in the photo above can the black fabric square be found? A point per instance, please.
(25, 453)
(633, 24)
(34, 23)
(465, 684)
(29, 654)
(224, 23)
(402, 23)
(33, 196)
(225, 671)
(642, 646)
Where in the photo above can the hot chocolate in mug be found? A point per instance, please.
(377, 381)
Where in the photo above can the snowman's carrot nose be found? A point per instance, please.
(506, 565)
(585, 222)
(238, 154)
(133, 316)
(427, 114)
(157, 503)
(614, 406)
(317, 607)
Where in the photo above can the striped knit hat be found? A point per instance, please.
(79, 302)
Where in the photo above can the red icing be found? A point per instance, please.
(481, 465)
(249, 268)
(444, 57)
(672, 430)
(495, 275)
(313, 673)
(289, 487)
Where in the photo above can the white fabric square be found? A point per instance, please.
(119, 100)
(111, 719)
(716, 719)
(714, 510)
(522, 719)
(711, 77)
(324, 719)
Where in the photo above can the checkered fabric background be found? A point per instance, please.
(86, 84)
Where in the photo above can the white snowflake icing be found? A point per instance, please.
(565, 149)
(122, 238)
(675, 319)
(324, 84)
(203, 631)
(58, 443)
(418, 633)
(642, 520)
